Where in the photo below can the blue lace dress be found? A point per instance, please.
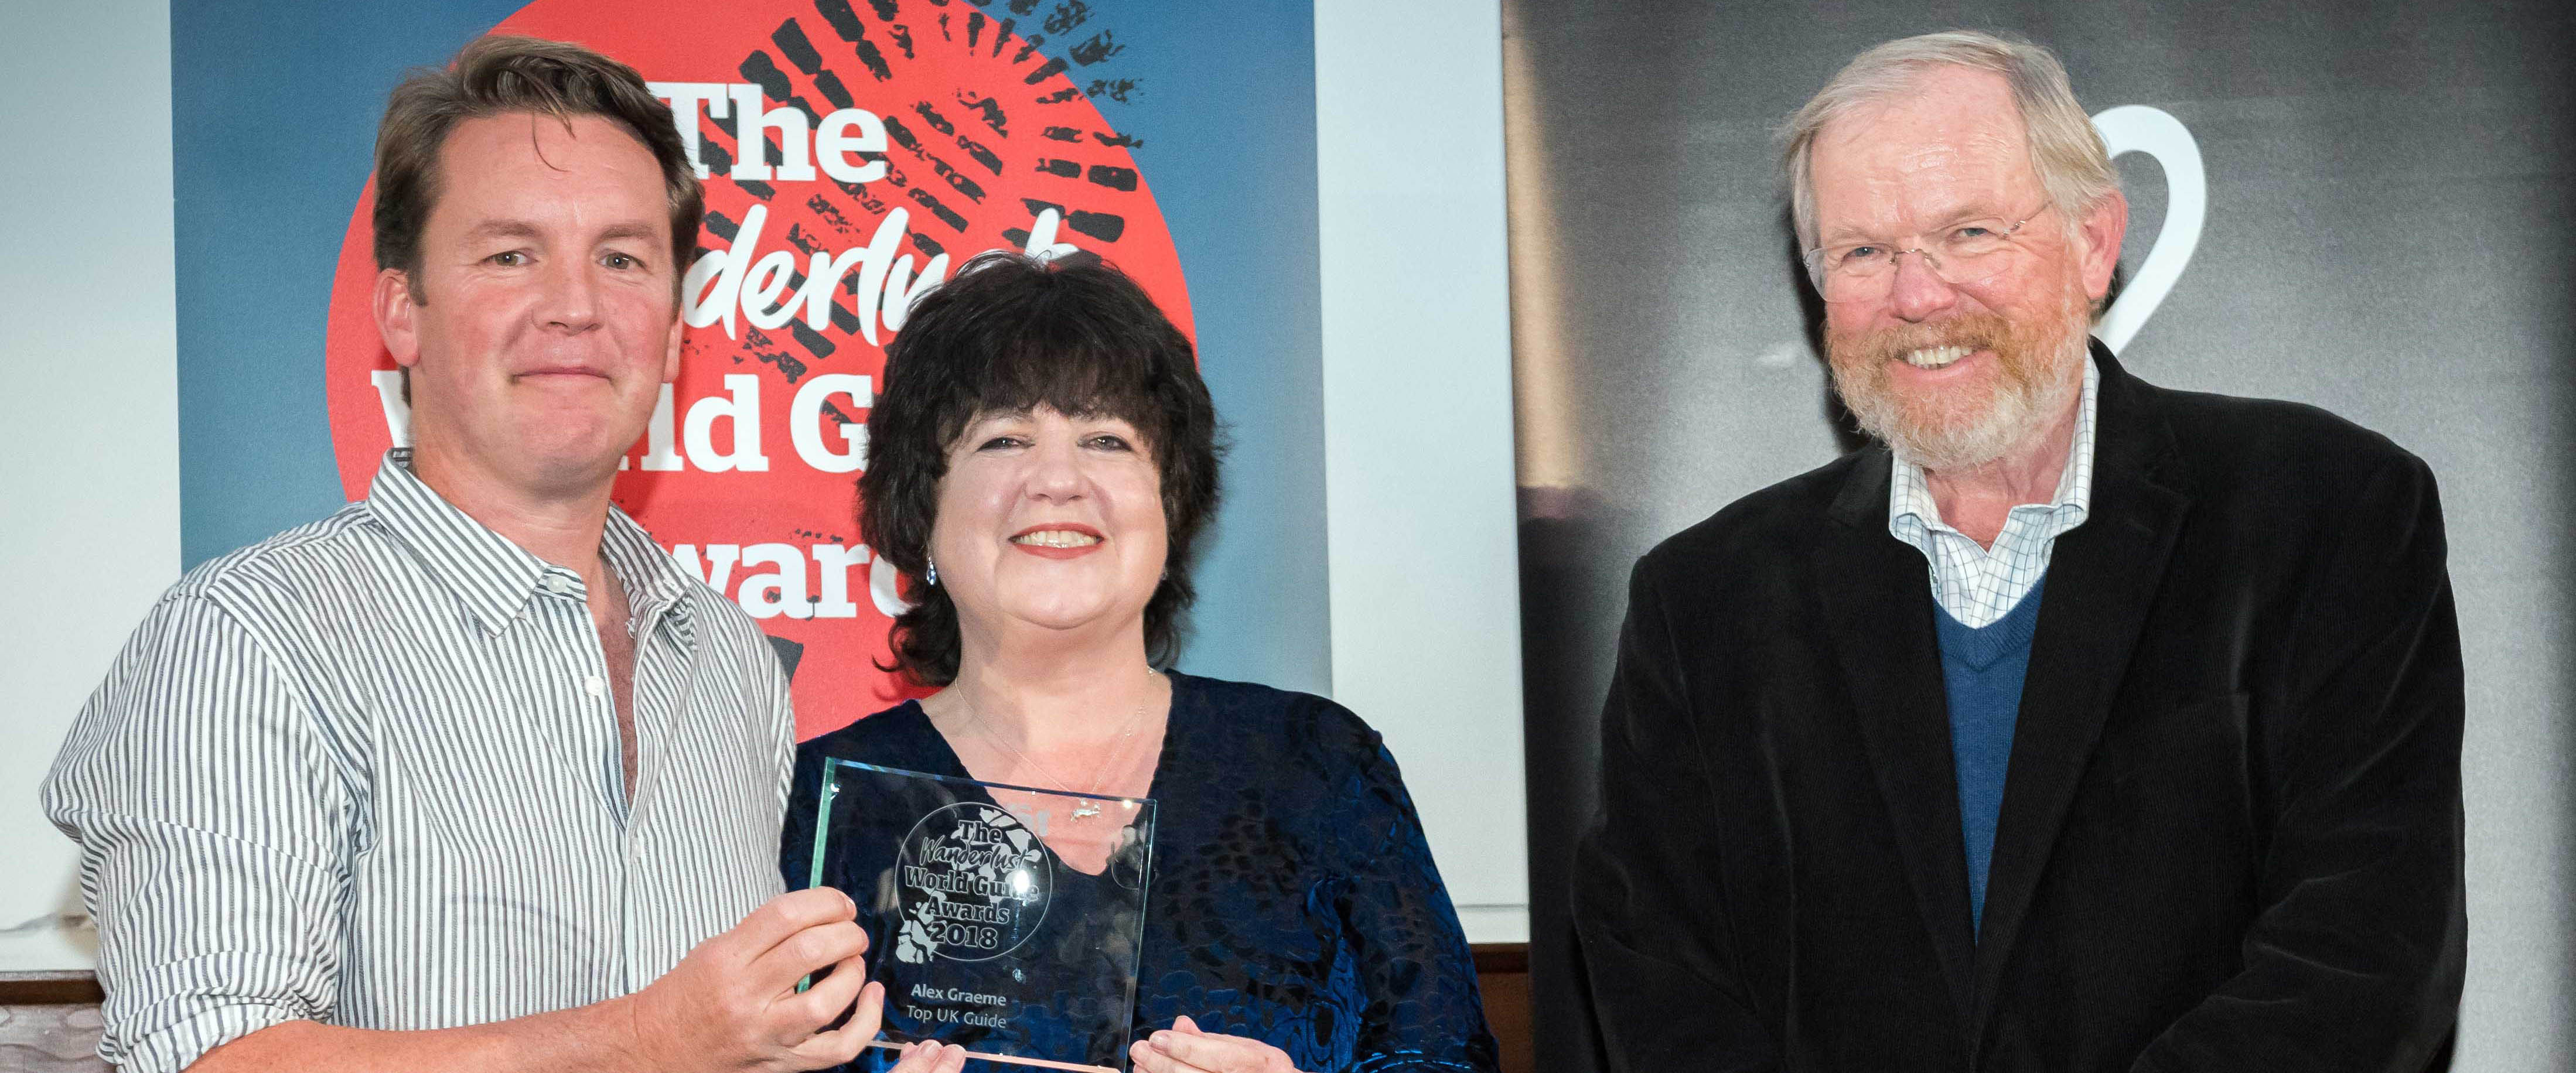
(1293, 899)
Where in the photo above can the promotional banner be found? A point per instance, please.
(2361, 209)
(854, 153)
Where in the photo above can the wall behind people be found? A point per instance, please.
(89, 441)
(1418, 425)
(2363, 208)
(273, 157)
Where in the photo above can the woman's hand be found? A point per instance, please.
(929, 1056)
(1182, 1048)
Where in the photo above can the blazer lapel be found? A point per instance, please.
(1877, 602)
(2102, 579)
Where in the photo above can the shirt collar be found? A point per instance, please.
(654, 584)
(1909, 496)
(493, 578)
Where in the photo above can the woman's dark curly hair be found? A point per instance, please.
(1010, 333)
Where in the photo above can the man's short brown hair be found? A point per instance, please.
(500, 75)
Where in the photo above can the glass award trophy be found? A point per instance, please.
(1002, 919)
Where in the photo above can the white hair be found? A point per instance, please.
(2064, 148)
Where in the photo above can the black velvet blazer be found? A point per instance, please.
(2231, 829)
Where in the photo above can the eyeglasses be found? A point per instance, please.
(1964, 254)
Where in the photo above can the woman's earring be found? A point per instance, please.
(932, 576)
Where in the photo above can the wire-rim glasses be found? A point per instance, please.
(1966, 252)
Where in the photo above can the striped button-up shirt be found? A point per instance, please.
(1977, 585)
(367, 772)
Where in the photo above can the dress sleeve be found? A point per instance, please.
(1423, 1010)
(213, 824)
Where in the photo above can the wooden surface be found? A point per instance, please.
(1502, 970)
(49, 1021)
(49, 989)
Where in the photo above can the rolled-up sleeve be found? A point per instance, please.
(212, 819)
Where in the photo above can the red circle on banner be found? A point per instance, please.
(985, 140)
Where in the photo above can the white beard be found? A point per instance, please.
(2041, 374)
(2014, 412)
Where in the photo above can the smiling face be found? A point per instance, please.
(545, 319)
(1050, 521)
(1957, 375)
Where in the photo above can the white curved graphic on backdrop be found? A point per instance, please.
(2137, 128)
(881, 590)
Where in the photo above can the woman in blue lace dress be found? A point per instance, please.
(1041, 460)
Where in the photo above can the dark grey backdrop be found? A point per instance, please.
(2388, 235)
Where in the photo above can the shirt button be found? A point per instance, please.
(558, 584)
(594, 685)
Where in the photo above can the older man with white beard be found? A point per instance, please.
(2079, 725)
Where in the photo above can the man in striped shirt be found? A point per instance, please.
(469, 775)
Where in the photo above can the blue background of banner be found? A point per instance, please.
(274, 111)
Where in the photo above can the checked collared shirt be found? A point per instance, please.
(1978, 585)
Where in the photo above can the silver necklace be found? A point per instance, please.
(1086, 807)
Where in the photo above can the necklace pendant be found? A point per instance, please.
(1086, 810)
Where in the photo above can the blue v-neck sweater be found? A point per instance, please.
(1982, 670)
